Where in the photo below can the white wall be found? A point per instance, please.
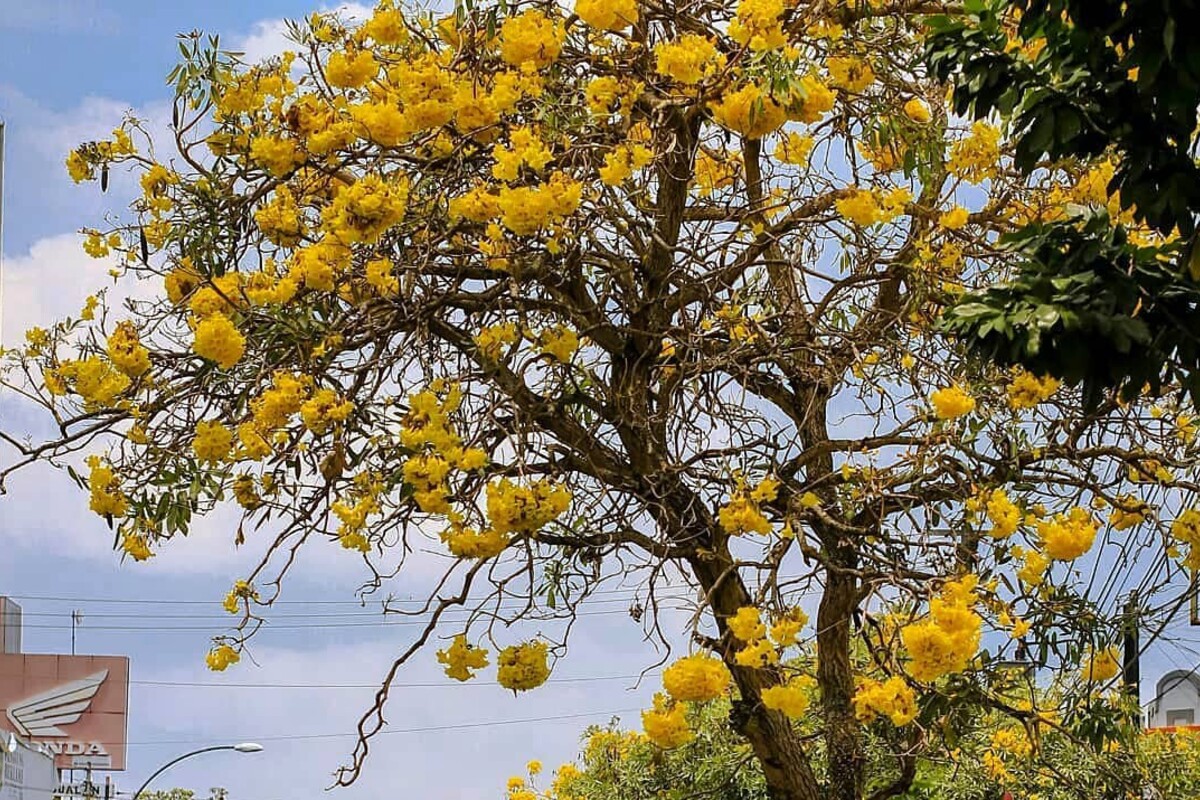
(1180, 693)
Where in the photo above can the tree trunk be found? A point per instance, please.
(785, 764)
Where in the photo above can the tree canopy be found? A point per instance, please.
(628, 294)
(1095, 301)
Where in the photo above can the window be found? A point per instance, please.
(1180, 716)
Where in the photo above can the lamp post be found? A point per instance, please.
(244, 747)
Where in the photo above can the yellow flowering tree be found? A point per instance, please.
(618, 293)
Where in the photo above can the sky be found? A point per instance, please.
(69, 71)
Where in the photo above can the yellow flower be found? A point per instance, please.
(559, 342)
(749, 111)
(948, 640)
(219, 658)
(350, 70)
(213, 442)
(461, 658)
(747, 624)
(1027, 391)
(756, 24)
(1004, 515)
(892, 698)
(954, 219)
(218, 339)
(136, 546)
(126, 351)
(917, 110)
(696, 678)
(1102, 666)
(860, 207)
(607, 15)
(757, 655)
(665, 724)
(850, 73)
(530, 40)
(977, 157)
(952, 402)
(107, 499)
(1068, 536)
(792, 698)
(522, 667)
(689, 59)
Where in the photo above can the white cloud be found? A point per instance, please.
(269, 37)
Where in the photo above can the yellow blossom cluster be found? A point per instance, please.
(522, 667)
(757, 24)
(792, 698)
(759, 651)
(743, 513)
(107, 499)
(864, 207)
(689, 59)
(93, 379)
(666, 723)
(696, 678)
(354, 509)
(136, 546)
(218, 339)
(1101, 666)
(1186, 529)
(1066, 537)
(222, 657)
(850, 73)
(948, 640)
(1003, 513)
(607, 15)
(241, 591)
(213, 442)
(530, 40)
(977, 157)
(1027, 391)
(1034, 565)
(1128, 512)
(892, 698)
(952, 402)
(126, 350)
(513, 508)
(558, 342)
(749, 111)
(461, 658)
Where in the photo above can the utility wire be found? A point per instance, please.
(632, 590)
(440, 684)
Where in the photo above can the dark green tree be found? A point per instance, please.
(1104, 77)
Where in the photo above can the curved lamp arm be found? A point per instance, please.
(246, 747)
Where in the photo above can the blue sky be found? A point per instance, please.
(69, 70)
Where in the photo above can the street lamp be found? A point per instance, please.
(244, 747)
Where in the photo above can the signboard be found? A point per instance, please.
(25, 774)
(74, 706)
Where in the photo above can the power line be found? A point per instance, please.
(370, 613)
(158, 601)
(267, 626)
(440, 684)
(397, 731)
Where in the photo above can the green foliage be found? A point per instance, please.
(1113, 76)
(1088, 306)
(1076, 97)
(717, 763)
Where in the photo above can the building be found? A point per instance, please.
(26, 771)
(1176, 701)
